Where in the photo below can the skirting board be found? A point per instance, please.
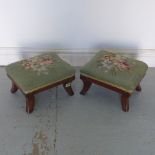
(76, 57)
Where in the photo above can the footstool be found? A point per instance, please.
(40, 73)
(115, 72)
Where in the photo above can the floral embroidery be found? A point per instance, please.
(40, 64)
(114, 62)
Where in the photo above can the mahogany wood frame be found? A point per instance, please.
(87, 82)
(30, 98)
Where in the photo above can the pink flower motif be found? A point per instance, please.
(113, 61)
(27, 65)
(38, 64)
(48, 62)
(123, 65)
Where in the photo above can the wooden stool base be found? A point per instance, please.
(30, 99)
(87, 81)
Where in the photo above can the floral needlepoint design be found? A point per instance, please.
(39, 64)
(114, 62)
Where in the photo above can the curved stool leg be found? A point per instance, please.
(86, 85)
(125, 102)
(14, 88)
(30, 102)
(138, 88)
(68, 88)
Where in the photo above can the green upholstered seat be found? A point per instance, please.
(39, 71)
(115, 70)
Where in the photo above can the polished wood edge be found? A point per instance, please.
(82, 77)
(67, 80)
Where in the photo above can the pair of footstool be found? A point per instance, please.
(110, 70)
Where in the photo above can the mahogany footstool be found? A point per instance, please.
(115, 72)
(40, 73)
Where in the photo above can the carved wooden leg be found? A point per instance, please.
(30, 102)
(138, 88)
(125, 102)
(14, 88)
(86, 85)
(68, 88)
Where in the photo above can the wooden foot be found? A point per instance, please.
(68, 88)
(14, 88)
(30, 102)
(138, 88)
(86, 85)
(125, 102)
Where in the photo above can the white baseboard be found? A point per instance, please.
(76, 57)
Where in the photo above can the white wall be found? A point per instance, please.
(77, 23)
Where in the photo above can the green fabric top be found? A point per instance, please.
(39, 71)
(116, 70)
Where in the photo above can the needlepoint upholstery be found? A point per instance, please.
(116, 70)
(39, 71)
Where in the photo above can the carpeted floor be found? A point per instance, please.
(93, 124)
